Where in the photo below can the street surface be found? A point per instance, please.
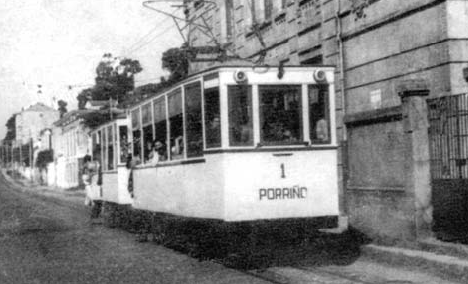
(46, 237)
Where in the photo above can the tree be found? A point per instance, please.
(175, 60)
(114, 80)
(62, 107)
(11, 129)
(84, 96)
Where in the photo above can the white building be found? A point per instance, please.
(31, 121)
(70, 141)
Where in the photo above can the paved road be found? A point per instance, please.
(46, 237)
(50, 240)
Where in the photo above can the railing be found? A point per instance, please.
(448, 136)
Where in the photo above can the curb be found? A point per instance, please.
(442, 265)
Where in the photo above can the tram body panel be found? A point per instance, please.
(257, 189)
(110, 184)
(180, 190)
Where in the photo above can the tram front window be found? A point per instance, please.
(212, 118)
(240, 115)
(280, 114)
(319, 115)
(193, 120)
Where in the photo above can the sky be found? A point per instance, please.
(58, 43)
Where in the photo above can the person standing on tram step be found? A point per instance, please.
(86, 176)
(93, 181)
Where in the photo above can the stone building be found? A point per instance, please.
(390, 55)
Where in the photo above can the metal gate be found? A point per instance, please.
(448, 138)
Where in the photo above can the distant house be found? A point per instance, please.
(31, 121)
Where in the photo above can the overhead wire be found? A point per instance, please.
(139, 42)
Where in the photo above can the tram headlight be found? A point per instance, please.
(240, 76)
(320, 76)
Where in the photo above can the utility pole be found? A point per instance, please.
(31, 158)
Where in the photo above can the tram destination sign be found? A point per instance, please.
(295, 192)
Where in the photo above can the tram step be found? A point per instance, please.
(445, 265)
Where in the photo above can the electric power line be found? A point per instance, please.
(157, 26)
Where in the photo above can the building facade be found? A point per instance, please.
(390, 55)
(71, 142)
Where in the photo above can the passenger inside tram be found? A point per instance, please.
(321, 129)
(281, 114)
(177, 150)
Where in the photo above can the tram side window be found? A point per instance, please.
(104, 149)
(212, 118)
(147, 119)
(280, 114)
(160, 126)
(123, 143)
(110, 148)
(240, 115)
(319, 114)
(96, 140)
(136, 132)
(176, 125)
(193, 120)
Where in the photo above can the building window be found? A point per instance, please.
(147, 123)
(193, 120)
(240, 115)
(212, 118)
(319, 114)
(160, 126)
(280, 114)
(110, 148)
(268, 9)
(136, 132)
(174, 101)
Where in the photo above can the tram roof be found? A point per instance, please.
(219, 68)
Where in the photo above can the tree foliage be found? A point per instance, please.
(44, 157)
(115, 78)
(11, 129)
(62, 107)
(176, 61)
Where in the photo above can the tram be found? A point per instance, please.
(233, 144)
